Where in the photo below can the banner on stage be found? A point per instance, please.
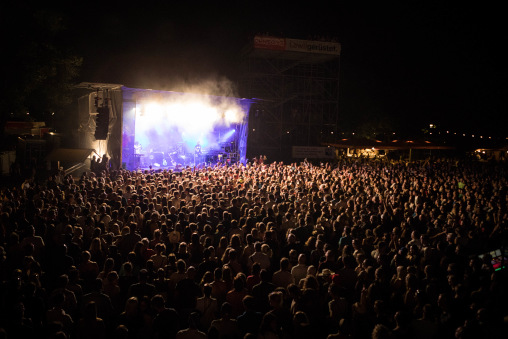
(296, 45)
(269, 42)
(308, 46)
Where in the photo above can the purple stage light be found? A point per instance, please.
(180, 129)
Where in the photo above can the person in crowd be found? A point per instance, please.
(283, 277)
(208, 307)
(90, 326)
(165, 321)
(226, 326)
(250, 320)
(192, 332)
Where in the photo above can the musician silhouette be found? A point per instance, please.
(197, 153)
(197, 149)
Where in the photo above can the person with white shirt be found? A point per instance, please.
(262, 258)
(283, 277)
(299, 271)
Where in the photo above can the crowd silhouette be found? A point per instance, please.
(357, 248)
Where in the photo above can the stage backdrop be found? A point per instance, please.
(165, 129)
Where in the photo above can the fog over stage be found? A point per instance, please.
(171, 130)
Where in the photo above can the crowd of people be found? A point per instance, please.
(354, 249)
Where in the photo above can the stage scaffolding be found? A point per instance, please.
(295, 94)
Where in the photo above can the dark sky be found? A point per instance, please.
(410, 62)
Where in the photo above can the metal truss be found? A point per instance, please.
(296, 100)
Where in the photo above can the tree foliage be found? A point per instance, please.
(38, 66)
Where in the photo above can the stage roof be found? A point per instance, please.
(97, 86)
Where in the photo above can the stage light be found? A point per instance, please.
(227, 135)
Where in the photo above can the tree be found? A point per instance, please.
(38, 67)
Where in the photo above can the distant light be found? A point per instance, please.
(490, 137)
(27, 113)
(253, 130)
(430, 133)
(447, 132)
(473, 135)
(331, 132)
(481, 136)
(53, 113)
(287, 132)
(393, 133)
(455, 133)
(465, 135)
(354, 134)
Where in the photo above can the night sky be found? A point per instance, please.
(413, 63)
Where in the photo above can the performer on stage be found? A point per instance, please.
(197, 149)
(197, 153)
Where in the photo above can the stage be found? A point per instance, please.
(173, 130)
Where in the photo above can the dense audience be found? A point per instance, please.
(354, 249)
